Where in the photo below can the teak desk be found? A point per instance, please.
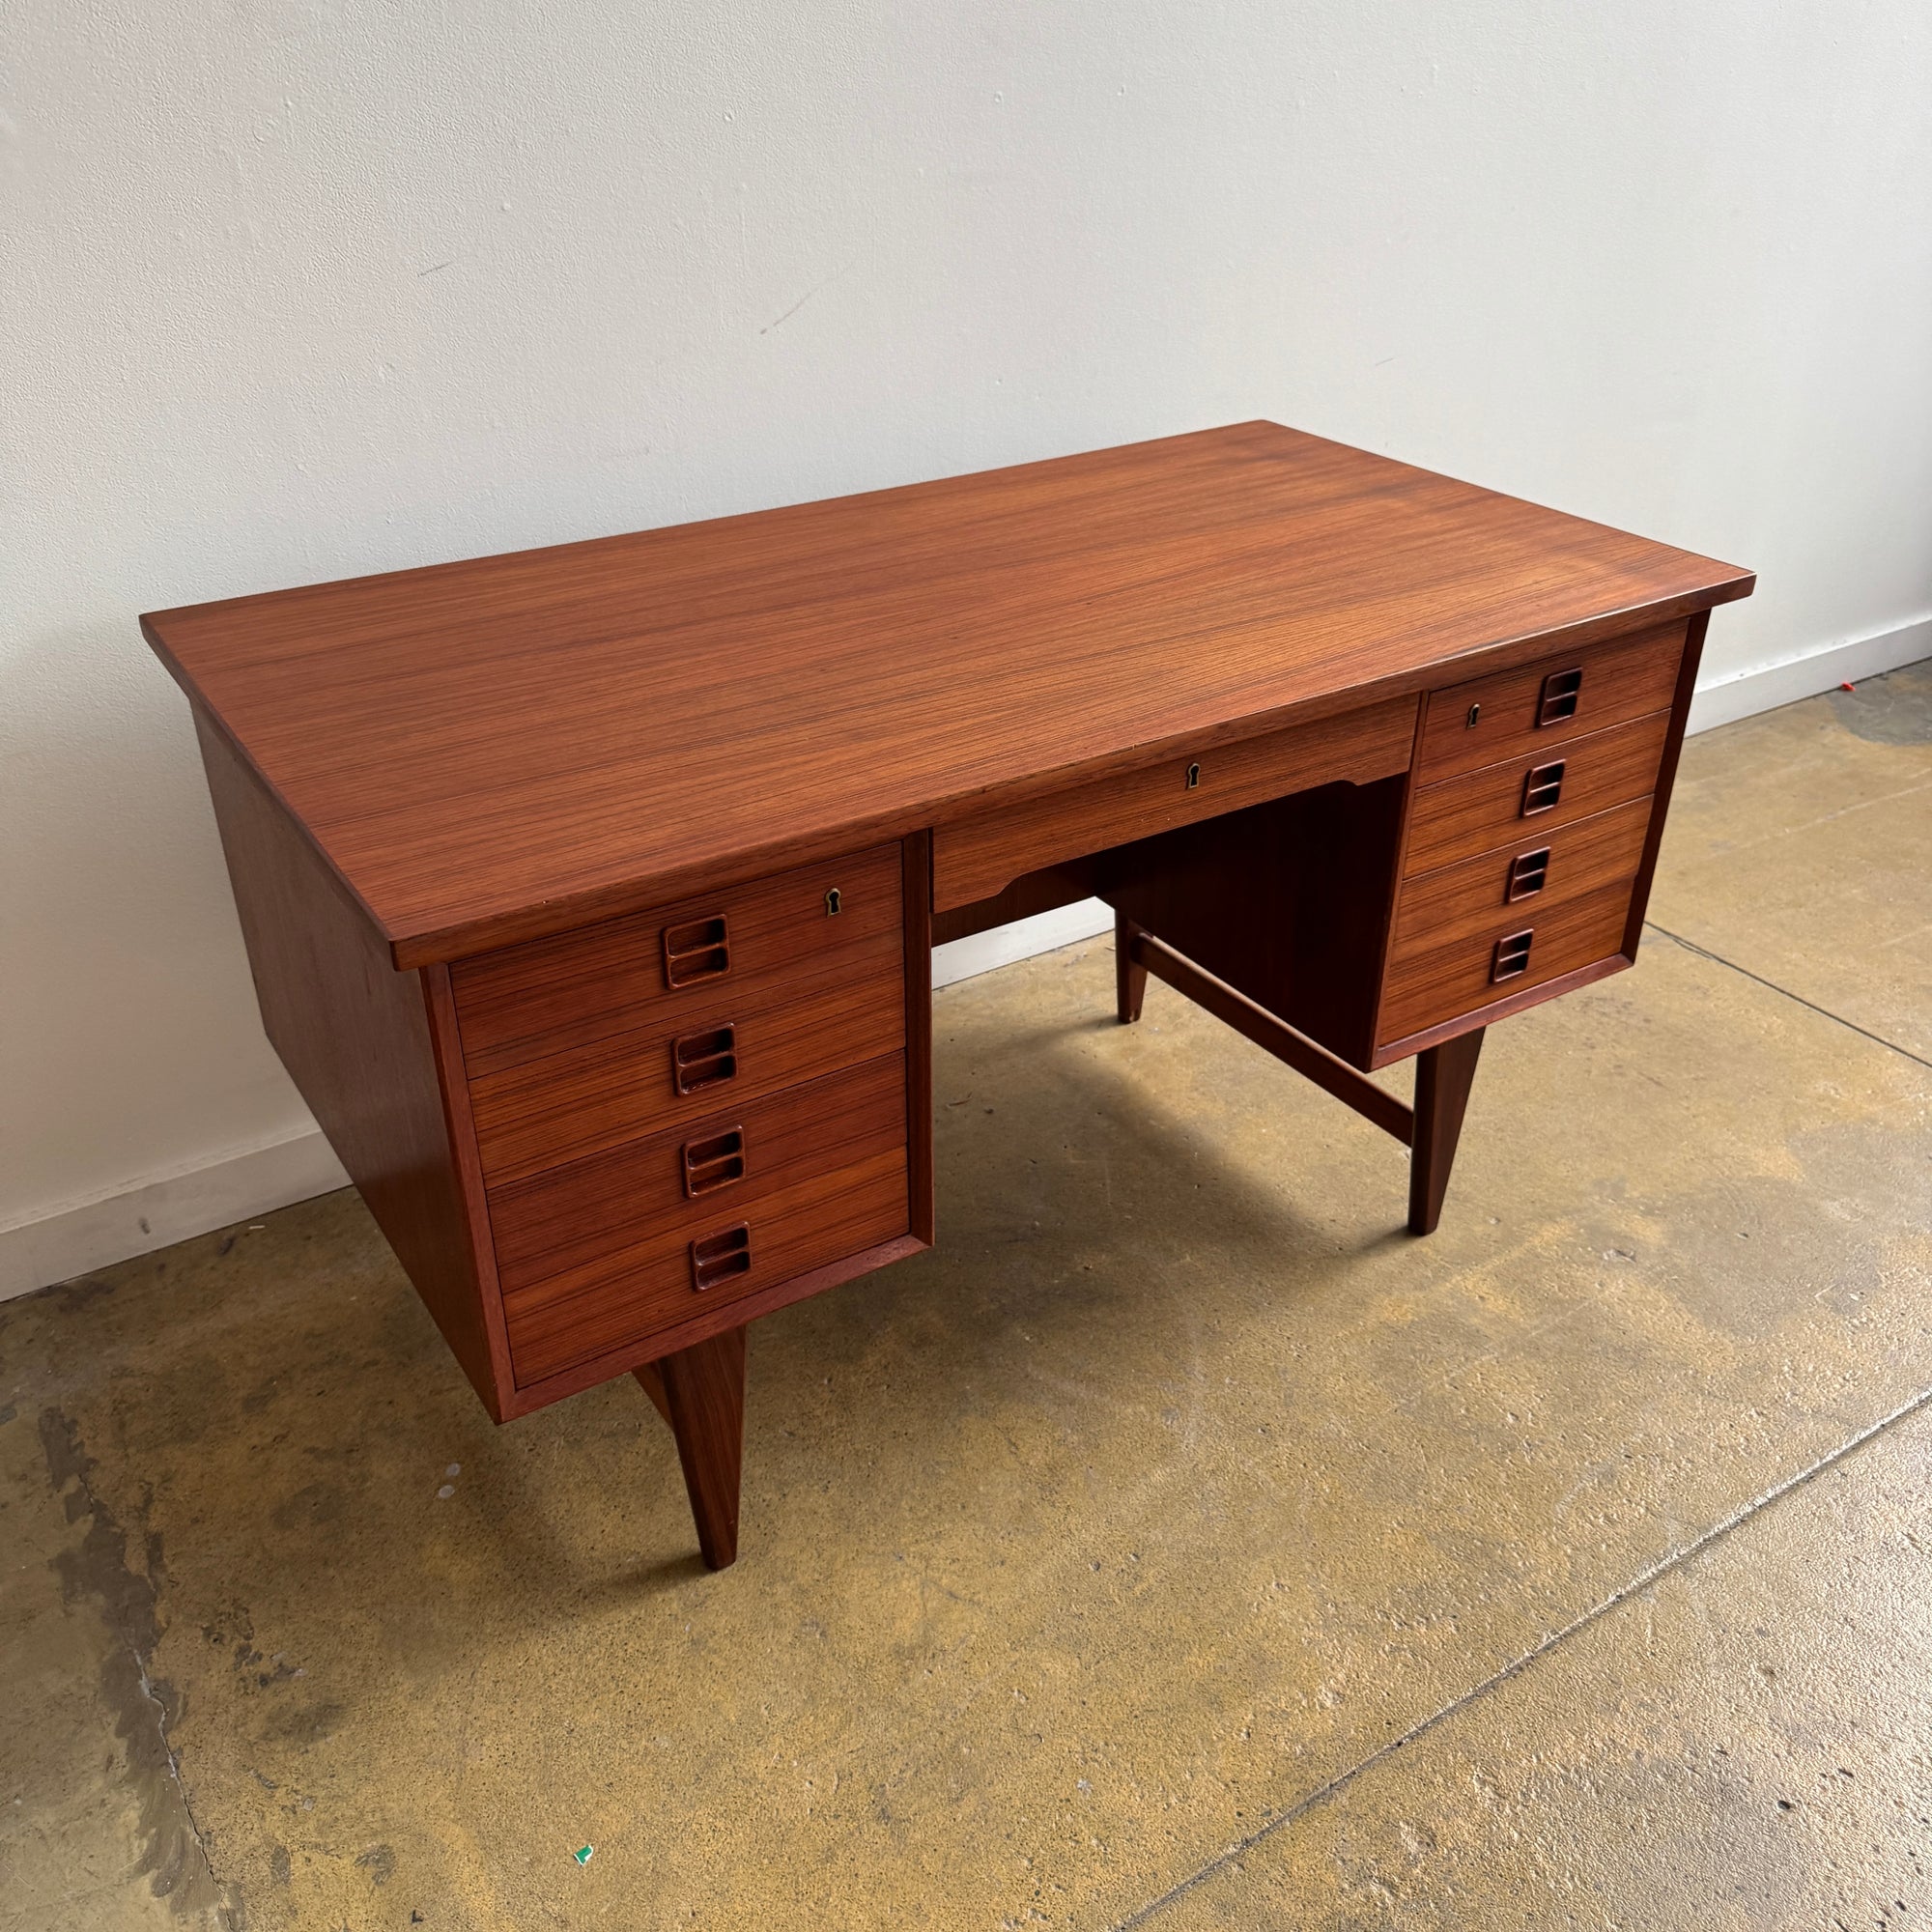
(590, 891)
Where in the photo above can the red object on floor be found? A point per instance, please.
(1847, 687)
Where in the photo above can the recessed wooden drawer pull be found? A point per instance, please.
(1529, 872)
(699, 951)
(719, 1257)
(1541, 787)
(1512, 955)
(700, 1060)
(1558, 700)
(715, 1162)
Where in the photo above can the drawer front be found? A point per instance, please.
(1501, 891)
(1518, 712)
(745, 947)
(1449, 981)
(975, 858)
(1551, 786)
(809, 1224)
(592, 1220)
(725, 1052)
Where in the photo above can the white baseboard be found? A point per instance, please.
(93, 1234)
(235, 1186)
(1765, 688)
(1001, 945)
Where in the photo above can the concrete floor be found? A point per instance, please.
(1177, 1544)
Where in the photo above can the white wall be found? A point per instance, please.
(299, 288)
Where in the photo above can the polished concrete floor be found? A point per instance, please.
(1177, 1544)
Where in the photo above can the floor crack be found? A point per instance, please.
(154, 1698)
(1824, 1013)
(176, 1858)
(1653, 1574)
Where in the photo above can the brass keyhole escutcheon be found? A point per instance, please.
(1475, 712)
(1193, 776)
(832, 902)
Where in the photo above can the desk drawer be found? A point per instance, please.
(1518, 712)
(695, 1065)
(976, 857)
(591, 1220)
(1502, 891)
(805, 1225)
(743, 950)
(1448, 981)
(1525, 797)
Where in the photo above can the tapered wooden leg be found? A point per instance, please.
(1130, 980)
(1442, 1077)
(700, 1392)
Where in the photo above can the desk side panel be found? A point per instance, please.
(373, 1052)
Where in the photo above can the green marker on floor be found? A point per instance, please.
(582, 1854)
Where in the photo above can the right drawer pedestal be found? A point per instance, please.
(1527, 824)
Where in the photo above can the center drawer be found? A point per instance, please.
(977, 856)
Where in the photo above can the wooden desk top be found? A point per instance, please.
(492, 750)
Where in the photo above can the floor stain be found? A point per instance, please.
(98, 1572)
(1896, 709)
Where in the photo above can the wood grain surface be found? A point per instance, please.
(706, 1318)
(1459, 902)
(822, 1218)
(495, 750)
(1287, 902)
(700, 1392)
(978, 856)
(530, 1001)
(1453, 982)
(916, 859)
(1666, 776)
(1482, 809)
(1442, 1080)
(1620, 681)
(585, 1222)
(373, 1052)
(542, 1113)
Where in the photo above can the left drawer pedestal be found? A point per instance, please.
(605, 1152)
